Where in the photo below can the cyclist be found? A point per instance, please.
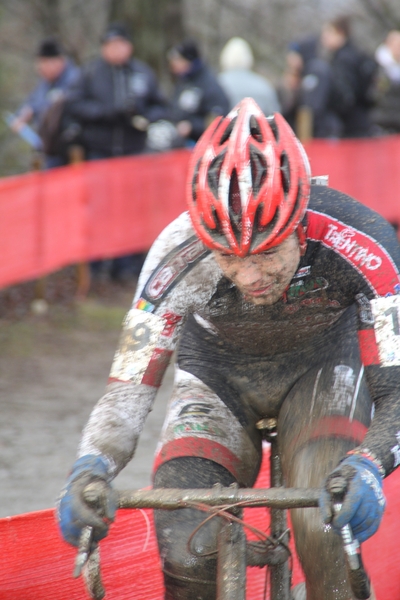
(283, 297)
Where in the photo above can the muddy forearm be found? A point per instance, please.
(383, 437)
(116, 422)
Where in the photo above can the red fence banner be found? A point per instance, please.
(107, 208)
(98, 209)
(367, 169)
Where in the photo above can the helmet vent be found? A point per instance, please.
(260, 232)
(274, 127)
(218, 225)
(255, 129)
(285, 173)
(194, 181)
(259, 169)
(217, 233)
(226, 135)
(235, 204)
(295, 212)
(214, 173)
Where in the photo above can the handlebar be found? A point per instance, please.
(281, 498)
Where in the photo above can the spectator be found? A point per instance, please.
(289, 88)
(197, 96)
(314, 87)
(386, 114)
(57, 73)
(353, 75)
(336, 81)
(239, 80)
(115, 99)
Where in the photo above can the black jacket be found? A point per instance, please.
(198, 97)
(348, 97)
(105, 101)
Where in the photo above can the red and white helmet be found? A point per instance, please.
(249, 182)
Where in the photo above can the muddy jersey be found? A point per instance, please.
(352, 257)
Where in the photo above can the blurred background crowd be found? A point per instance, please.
(120, 77)
(110, 78)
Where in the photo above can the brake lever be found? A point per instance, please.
(359, 579)
(84, 550)
(88, 554)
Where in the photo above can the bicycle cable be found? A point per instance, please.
(222, 512)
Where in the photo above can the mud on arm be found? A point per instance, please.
(383, 436)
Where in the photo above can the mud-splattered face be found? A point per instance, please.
(262, 278)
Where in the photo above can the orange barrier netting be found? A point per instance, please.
(36, 564)
(108, 208)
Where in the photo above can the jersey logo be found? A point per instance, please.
(364, 253)
(300, 288)
(173, 268)
(138, 341)
(195, 409)
(345, 240)
(303, 272)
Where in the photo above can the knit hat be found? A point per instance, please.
(116, 30)
(188, 49)
(236, 54)
(49, 48)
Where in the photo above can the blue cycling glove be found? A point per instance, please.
(74, 512)
(363, 504)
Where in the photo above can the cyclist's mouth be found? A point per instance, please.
(257, 292)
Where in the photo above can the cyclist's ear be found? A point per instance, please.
(301, 234)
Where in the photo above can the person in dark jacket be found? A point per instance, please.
(336, 81)
(197, 96)
(353, 74)
(386, 112)
(57, 73)
(116, 98)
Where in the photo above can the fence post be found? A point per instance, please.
(39, 303)
(304, 123)
(76, 156)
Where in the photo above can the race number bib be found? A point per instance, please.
(138, 341)
(386, 312)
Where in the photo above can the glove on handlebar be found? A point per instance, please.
(74, 512)
(364, 502)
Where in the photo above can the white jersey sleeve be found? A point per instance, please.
(178, 278)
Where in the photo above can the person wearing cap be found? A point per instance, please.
(57, 73)
(240, 81)
(116, 98)
(197, 97)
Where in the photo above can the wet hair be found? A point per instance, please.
(343, 25)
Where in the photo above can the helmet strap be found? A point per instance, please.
(301, 234)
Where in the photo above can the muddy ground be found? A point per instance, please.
(53, 368)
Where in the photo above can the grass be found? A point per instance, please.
(21, 338)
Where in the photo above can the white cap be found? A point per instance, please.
(236, 54)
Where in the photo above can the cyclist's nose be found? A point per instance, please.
(249, 273)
